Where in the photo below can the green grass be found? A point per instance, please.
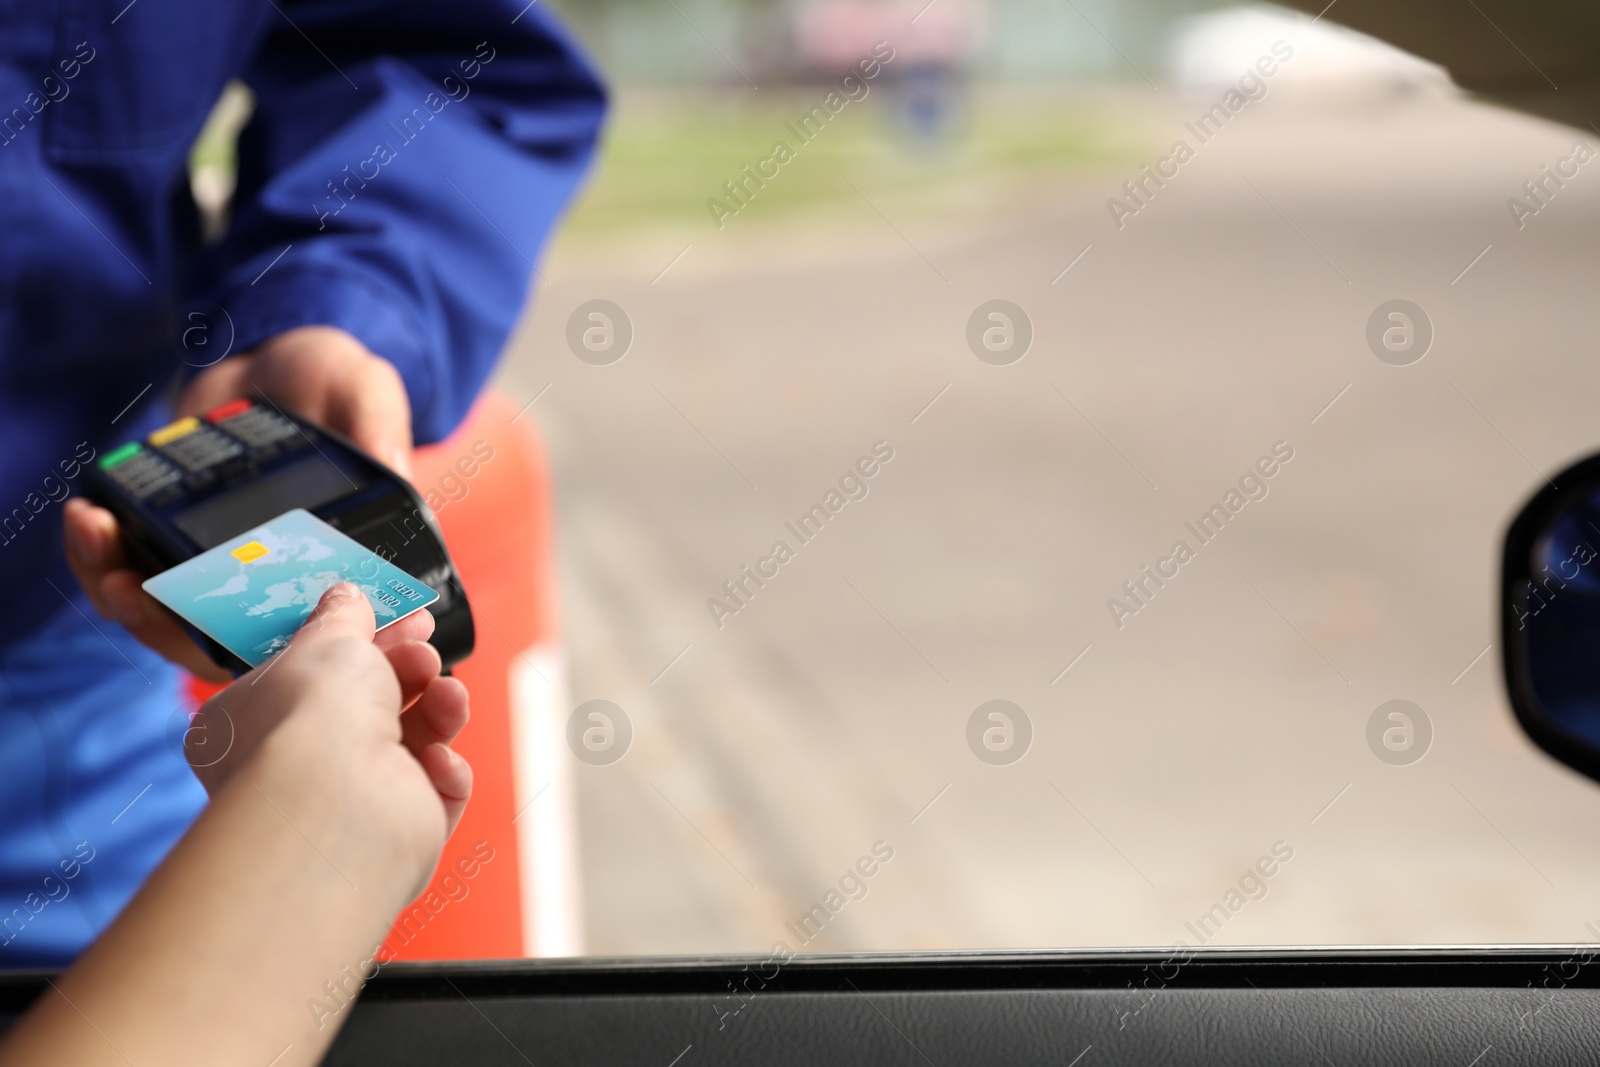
(666, 155)
(666, 152)
(219, 140)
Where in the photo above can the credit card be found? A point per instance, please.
(252, 592)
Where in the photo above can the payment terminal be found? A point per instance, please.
(201, 480)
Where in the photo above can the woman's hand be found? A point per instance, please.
(376, 722)
(331, 798)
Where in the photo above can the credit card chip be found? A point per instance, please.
(250, 552)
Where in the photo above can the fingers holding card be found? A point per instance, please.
(253, 591)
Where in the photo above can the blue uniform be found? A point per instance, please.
(404, 162)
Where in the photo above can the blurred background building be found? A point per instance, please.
(1006, 40)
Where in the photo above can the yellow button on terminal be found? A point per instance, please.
(174, 430)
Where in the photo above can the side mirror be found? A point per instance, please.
(1550, 629)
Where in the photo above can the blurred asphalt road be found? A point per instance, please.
(771, 753)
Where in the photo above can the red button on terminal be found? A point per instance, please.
(229, 410)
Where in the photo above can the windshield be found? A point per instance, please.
(1033, 476)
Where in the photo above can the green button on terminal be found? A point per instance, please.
(120, 455)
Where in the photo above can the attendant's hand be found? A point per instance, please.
(324, 374)
(317, 371)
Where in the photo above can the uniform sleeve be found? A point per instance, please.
(397, 179)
